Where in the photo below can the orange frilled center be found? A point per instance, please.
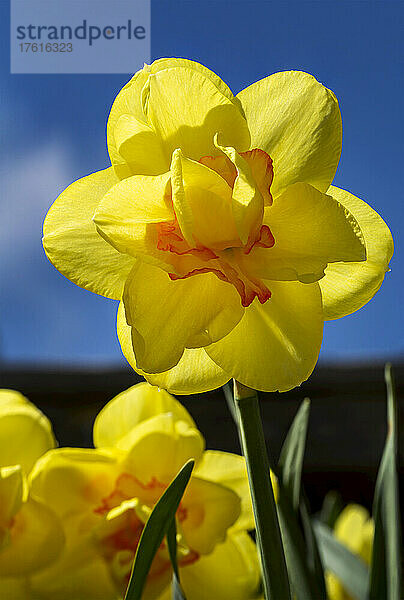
(127, 535)
(224, 264)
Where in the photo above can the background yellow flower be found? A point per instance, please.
(31, 536)
(105, 495)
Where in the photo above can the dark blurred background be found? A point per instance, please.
(347, 427)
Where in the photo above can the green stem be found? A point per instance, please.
(269, 541)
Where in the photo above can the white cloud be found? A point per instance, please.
(42, 315)
(29, 184)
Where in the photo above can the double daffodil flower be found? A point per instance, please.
(31, 536)
(104, 496)
(218, 229)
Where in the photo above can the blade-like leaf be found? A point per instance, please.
(177, 591)
(332, 507)
(385, 569)
(313, 553)
(292, 453)
(307, 582)
(350, 570)
(155, 529)
(303, 581)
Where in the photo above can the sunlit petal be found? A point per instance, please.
(195, 372)
(311, 230)
(346, 287)
(297, 121)
(231, 572)
(276, 345)
(73, 245)
(25, 432)
(168, 316)
(72, 479)
(133, 406)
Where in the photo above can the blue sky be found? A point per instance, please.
(53, 132)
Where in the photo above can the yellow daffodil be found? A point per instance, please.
(31, 536)
(354, 529)
(105, 495)
(218, 228)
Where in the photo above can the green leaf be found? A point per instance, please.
(172, 546)
(331, 509)
(302, 555)
(292, 453)
(385, 569)
(177, 591)
(155, 529)
(313, 553)
(303, 581)
(350, 569)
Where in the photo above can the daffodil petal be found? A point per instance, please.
(210, 509)
(12, 493)
(247, 201)
(133, 145)
(25, 432)
(335, 590)
(203, 204)
(14, 588)
(9, 399)
(229, 470)
(195, 372)
(133, 406)
(160, 447)
(89, 581)
(127, 102)
(297, 121)
(311, 230)
(70, 480)
(275, 346)
(137, 143)
(123, 215)
(349, 527)
(230, 572)
(73, 245)
(168, 316)
(191, 125)
(168, 63)
(346, 287)
(36, 540)
(80, 551)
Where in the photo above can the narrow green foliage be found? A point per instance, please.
(350, 570)
(385, 570)
(303, 583)
(332, 507)
(313, 554)
(302, 557)
(177, 591)
(292, 454)
(157, 525)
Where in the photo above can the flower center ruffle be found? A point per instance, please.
(225, 264)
